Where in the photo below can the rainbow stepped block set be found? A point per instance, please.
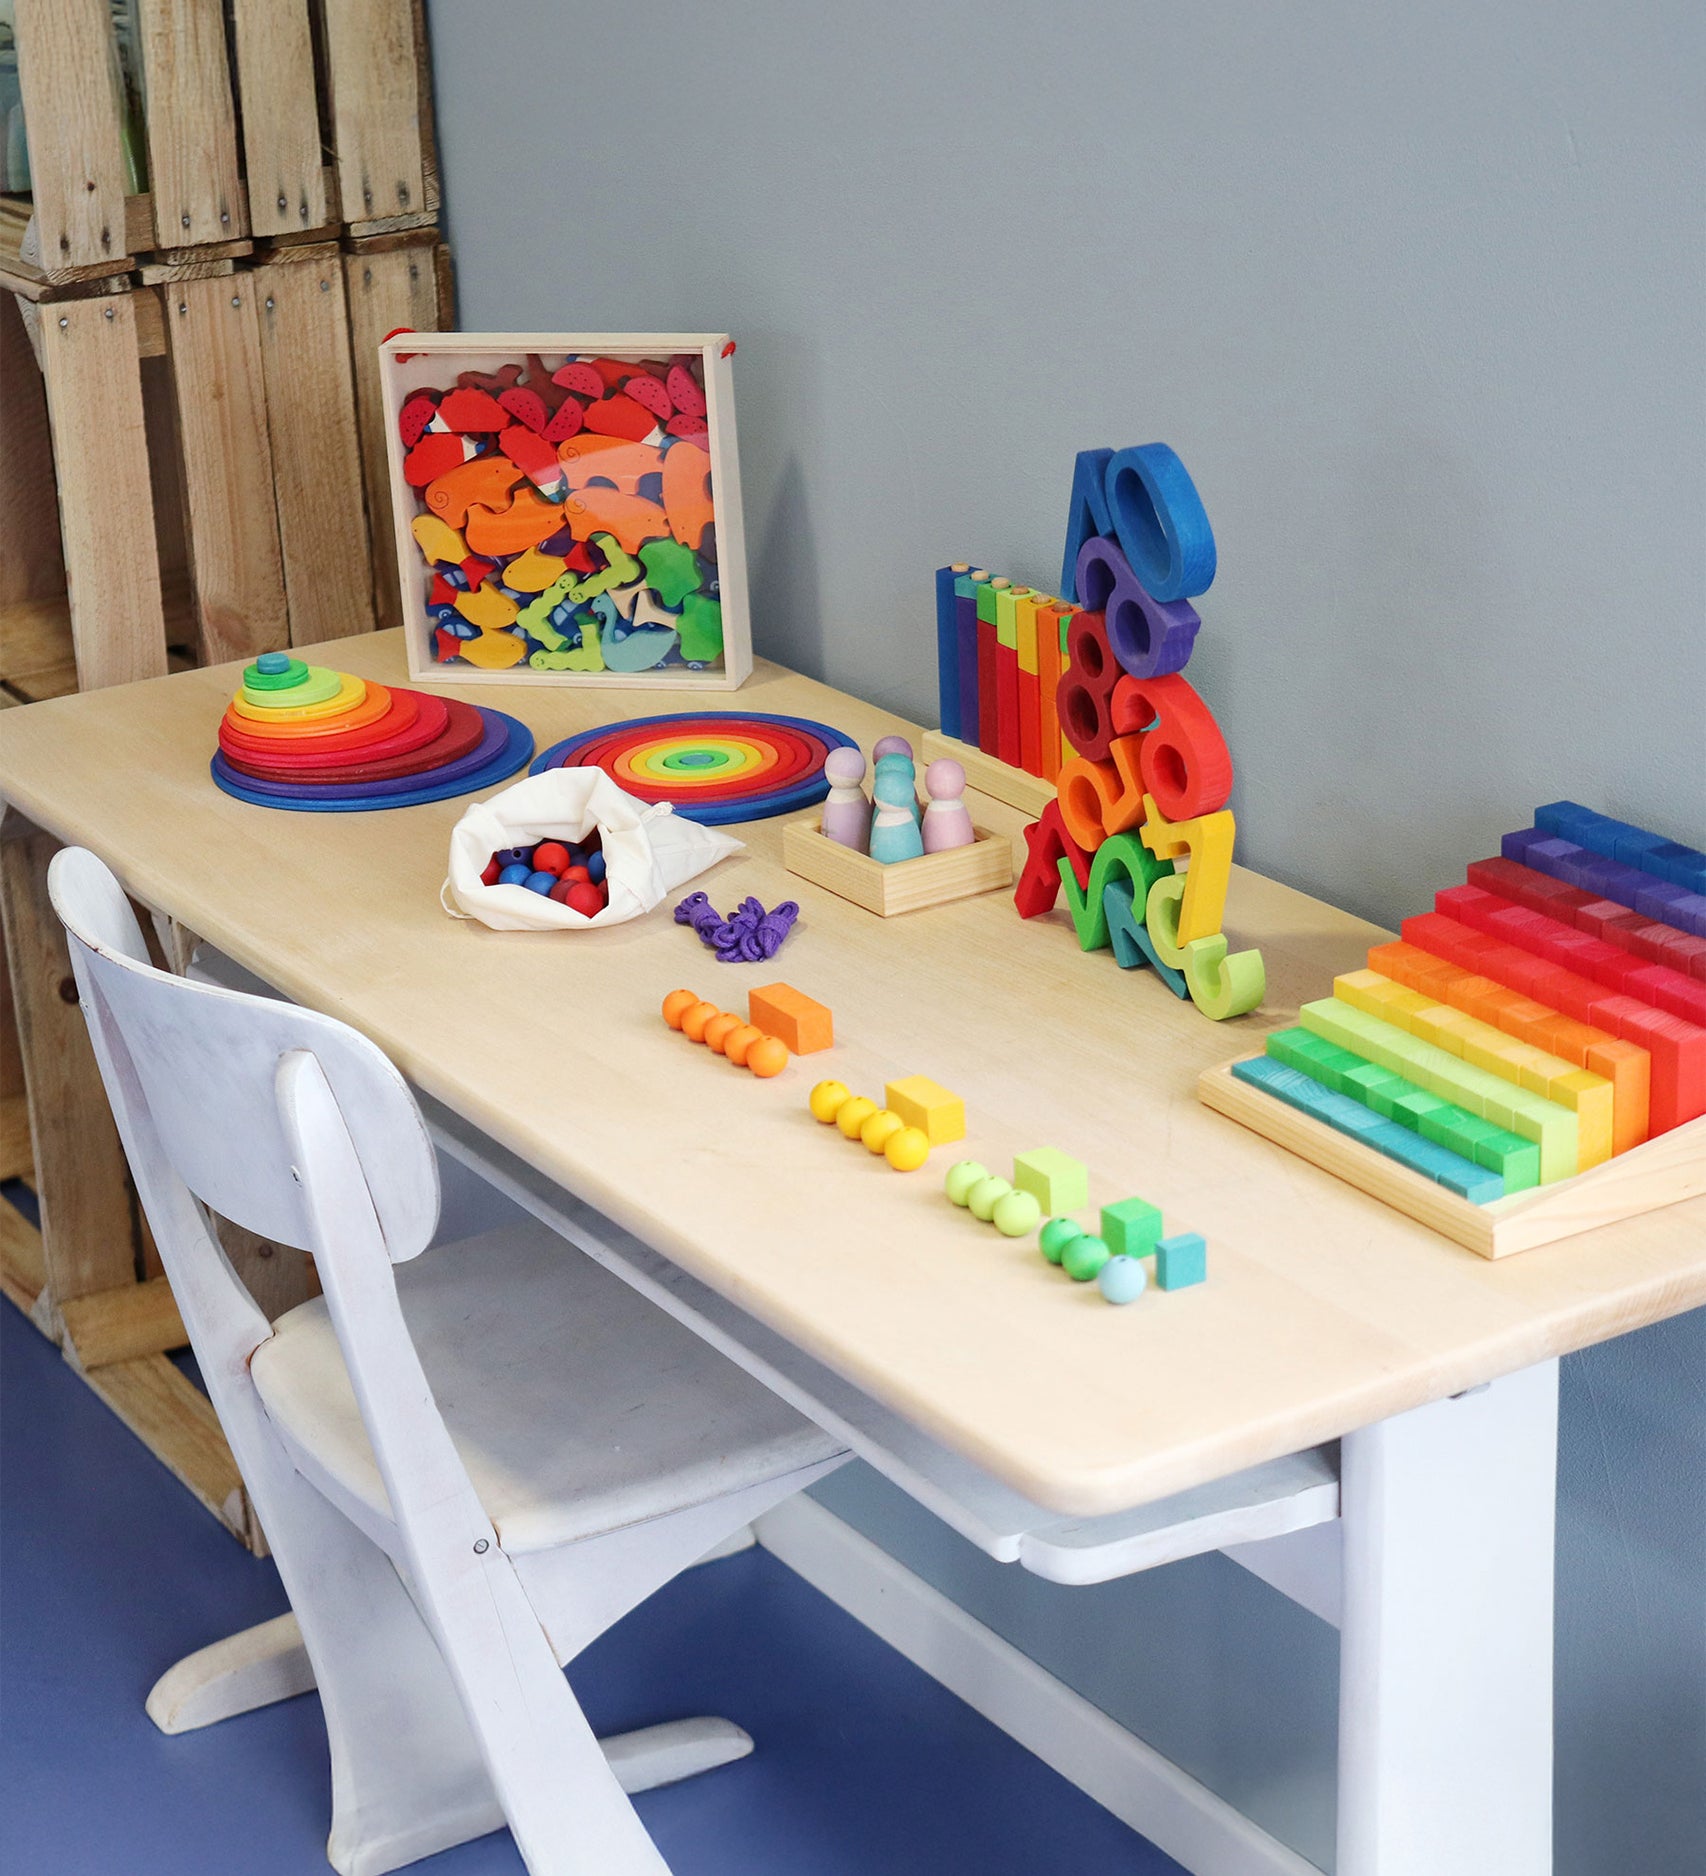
(299, 736)
(1091, 696)
(1546, 1017)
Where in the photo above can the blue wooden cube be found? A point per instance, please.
(1181, 1260)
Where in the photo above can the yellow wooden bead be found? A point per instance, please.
(826, 1099)
(854, 1113)
(878, 1128)
(908, 1149)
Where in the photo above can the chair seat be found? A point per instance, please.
(576, 1406)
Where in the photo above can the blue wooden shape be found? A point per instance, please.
(947, 653)
(507, 744)
(1132, 944)
(1630, 846)
(1181, 1260)
(640, 647)
(1160, 520)
(891, 787)
(1088, 512)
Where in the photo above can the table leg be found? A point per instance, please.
(1445, 1678)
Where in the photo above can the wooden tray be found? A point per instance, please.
(1662, 1171)
(903, 885)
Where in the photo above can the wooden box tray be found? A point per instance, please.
(1661, 1171)
(903, 885)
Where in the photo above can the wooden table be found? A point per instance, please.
(1326, 1315)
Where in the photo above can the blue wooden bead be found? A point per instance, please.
(538, 882)
(514, 875)
(515, 856)
(595, 868)
(1122, 1279)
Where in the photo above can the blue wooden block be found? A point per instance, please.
(1160, 521)
(948, 652)
(1181, 1260)
(1515, 846)
(1087, 514)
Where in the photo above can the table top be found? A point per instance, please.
(1324, 1310)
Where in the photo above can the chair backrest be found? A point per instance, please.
(206, 1062)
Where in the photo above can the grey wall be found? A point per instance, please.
(1418, 295)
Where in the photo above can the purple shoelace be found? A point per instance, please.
(746, 936)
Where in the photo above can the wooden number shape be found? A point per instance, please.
(1208, 841)
(1047, 843)
(1148, 638)
(1223, 986)
(1087, 516)
(1120, 860)
(1184, 760)
(1084, 700)
(1102, 798)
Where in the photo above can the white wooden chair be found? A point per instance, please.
(467, 1467)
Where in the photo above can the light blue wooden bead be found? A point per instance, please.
(1122, 1279)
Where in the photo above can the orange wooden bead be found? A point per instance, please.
(738, 1041)
(719, 1029)
(694, 1020)
(767, 1057)
(677, 1004)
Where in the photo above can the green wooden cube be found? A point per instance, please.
(1058, 1182)
(1131, 1227)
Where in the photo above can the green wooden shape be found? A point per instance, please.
(701, 629)
(671, 571)
(1131, 1228)
(1133, 947)
(1007, 615)
(1121, 857)
(986, 591)
(1089, 915)
(1057, 1181)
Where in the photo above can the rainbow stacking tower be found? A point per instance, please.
(1091, 696)
(1544, 1018)
(299, 736)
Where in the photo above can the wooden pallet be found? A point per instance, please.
(1662, 1171)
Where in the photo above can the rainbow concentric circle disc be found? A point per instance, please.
(715, 766)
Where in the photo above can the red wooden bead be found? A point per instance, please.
(490, 876)
(584, 897)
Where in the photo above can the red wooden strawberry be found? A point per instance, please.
(416, 414)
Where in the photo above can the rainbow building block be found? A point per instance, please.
(1544, 1017)
(1058, 1182)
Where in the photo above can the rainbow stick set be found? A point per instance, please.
(1090, 695)
(1544, 1017)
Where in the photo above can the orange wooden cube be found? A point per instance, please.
(781, 1010)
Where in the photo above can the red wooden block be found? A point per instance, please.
(579, 378)
(1048, 843)
(567, 421)
(417, 412)
(1007, 703)
(988, 711)
(434, 455)
(619, 415)
(526, 407)
(466, 409)
(1030, 723)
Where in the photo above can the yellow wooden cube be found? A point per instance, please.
(927, 1105)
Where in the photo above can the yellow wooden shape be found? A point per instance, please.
(1208, 840)
(351, 691)
(533, 571)
(487, 608)
(438, 540)
(927, 1105)
(493, 651)
(1025, 619)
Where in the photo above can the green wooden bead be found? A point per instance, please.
(1083, 1257)
(985, 1195)
(1056, 1235)
(962, 1176)
(1015, 1214)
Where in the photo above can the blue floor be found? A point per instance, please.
(109, 1572)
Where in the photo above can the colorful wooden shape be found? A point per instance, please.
(488, 608)
(527, 521)
(631, 519)
(483, 479)
(947, 649)
(1131, 1227)
(966, 651)
(468, 409)
(418, 411)
(1057, 1181)
(527, 407)
(1102, 798)
(1207, 839)
(1161, 522)
(1223, 984)
(806, 1026)
(442, 544)
(1184, 760)
(620, 415)
(1132, 945)
(1047, 843)
(1181, 1260)
(927, 1105)
(536, 459)
(685, 391)
(671, 570)
(494, 651)
(988, 659)
(1084, 696)
(621, 463)
(532, 571)
(701, 628)
(1087, 511)
(687, 493)
(436, 454)
(1149, 638)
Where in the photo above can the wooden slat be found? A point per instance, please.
(222, 424)
(120, 1325)
(176, 1422)
(31, 564)
(82, 1183)
(376, 108)
(106, 510)
(391, 287)
(76, 156)
(22, 1272)
(281, 118)
(322, 521)
(17, 1160)
(192, 124)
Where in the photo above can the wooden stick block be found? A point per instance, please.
(389, 287)
(228, 469)
(106, 510)
(1031, 794)
(77, 168)
(192, 124)
(376, 108)
(120, 1325)
(281, 117)
(82, 1182)
(310, 394)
